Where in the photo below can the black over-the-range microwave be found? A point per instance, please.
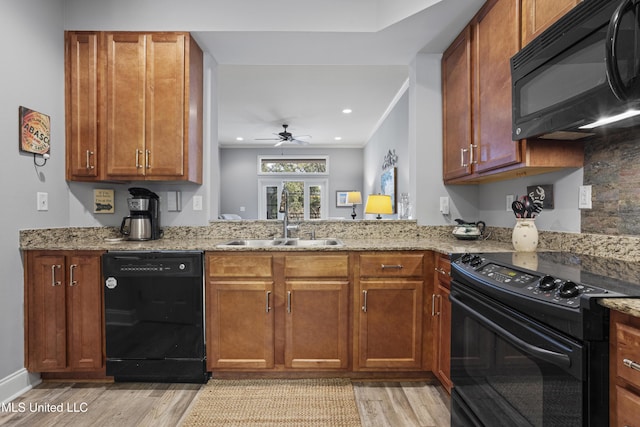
(581, 76)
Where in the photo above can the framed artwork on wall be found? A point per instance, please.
(341, 199)
(388, 186)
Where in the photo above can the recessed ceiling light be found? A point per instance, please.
(347, 111)
(239, 138)
(338, 138)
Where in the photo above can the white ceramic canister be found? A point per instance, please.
(525, 235)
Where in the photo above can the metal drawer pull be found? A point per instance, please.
(631, 364)
(472, 158)
(138, 165)
(72, 280)
(54, 282)
(288, 301)
(267, 308)
(442, 271)
(364, 305)
(147, 153)
(396, 266)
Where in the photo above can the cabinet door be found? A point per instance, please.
(316, 324)
(443, 336)
(81, 50)
(45, 312)
(496, 39)
(390, 324)
(456, 107)
(538, 15)
(84, 311)
(165, 105)
(240, 324)
(125, 89)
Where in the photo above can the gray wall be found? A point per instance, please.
(32, 76)
(239, 177)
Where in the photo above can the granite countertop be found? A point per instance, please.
(203, 239)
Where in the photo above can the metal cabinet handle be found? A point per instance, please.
(364, 305)
(462, 163)
(147, 155)
(392, 266)
(472, 158)
(433, 305)
(72, 280)
(631, 364)
(88, 163)
(288, 301)
(138, 165)
(54, 282)
(268, 308)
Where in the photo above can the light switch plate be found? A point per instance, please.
(174, 201)
(585, 197)
(444, 205)
(510, 199)
(197, 203)
(43, 201)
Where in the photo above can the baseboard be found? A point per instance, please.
(17, 384)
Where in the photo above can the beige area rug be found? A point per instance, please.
(274, 402)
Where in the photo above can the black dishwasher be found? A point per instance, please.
(154, 316)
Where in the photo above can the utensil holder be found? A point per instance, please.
(525, 235)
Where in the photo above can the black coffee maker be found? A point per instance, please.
(143, 222)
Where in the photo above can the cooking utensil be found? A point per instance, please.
(518, 209)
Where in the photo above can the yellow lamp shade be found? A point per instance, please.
(354, 198)
(378, 204)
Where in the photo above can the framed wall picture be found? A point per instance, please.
(341, 199)
(388, 186)
(35, 131)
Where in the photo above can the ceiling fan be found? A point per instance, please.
(285, 136)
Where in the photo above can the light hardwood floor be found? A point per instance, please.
(394, 404)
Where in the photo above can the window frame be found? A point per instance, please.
(301, 157)
(323, 183)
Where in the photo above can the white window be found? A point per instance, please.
(307, 198)
(293, 165)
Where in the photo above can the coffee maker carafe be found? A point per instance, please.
(143, 222)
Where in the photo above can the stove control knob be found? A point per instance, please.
(568, 290)
(476, 261)
(547, 283)
(465, 258)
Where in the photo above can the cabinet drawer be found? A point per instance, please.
(316, 266)
(391, 265)
(243, 265)
(628, 339)
(443, 270)
(628, 407)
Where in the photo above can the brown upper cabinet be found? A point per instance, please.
(476, 87)
(134, 106)
(538, 15)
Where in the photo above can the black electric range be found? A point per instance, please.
(560, 289)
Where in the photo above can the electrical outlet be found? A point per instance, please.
(197, 203)
(510, 199)
(43, 201)
(444, 205)
(585, 197)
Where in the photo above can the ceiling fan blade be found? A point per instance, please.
(279, 143)
(267, 139)
(301, 136)
(298, 141)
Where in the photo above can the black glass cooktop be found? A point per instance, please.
(620, 278)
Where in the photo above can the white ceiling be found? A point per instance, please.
(303, 72)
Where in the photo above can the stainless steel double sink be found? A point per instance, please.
(266, 243)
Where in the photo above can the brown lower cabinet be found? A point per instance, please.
(388, 311)
(277, 310)
(441, 315)
(624, 370)
(63, 311)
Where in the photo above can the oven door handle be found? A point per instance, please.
(558, 359)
